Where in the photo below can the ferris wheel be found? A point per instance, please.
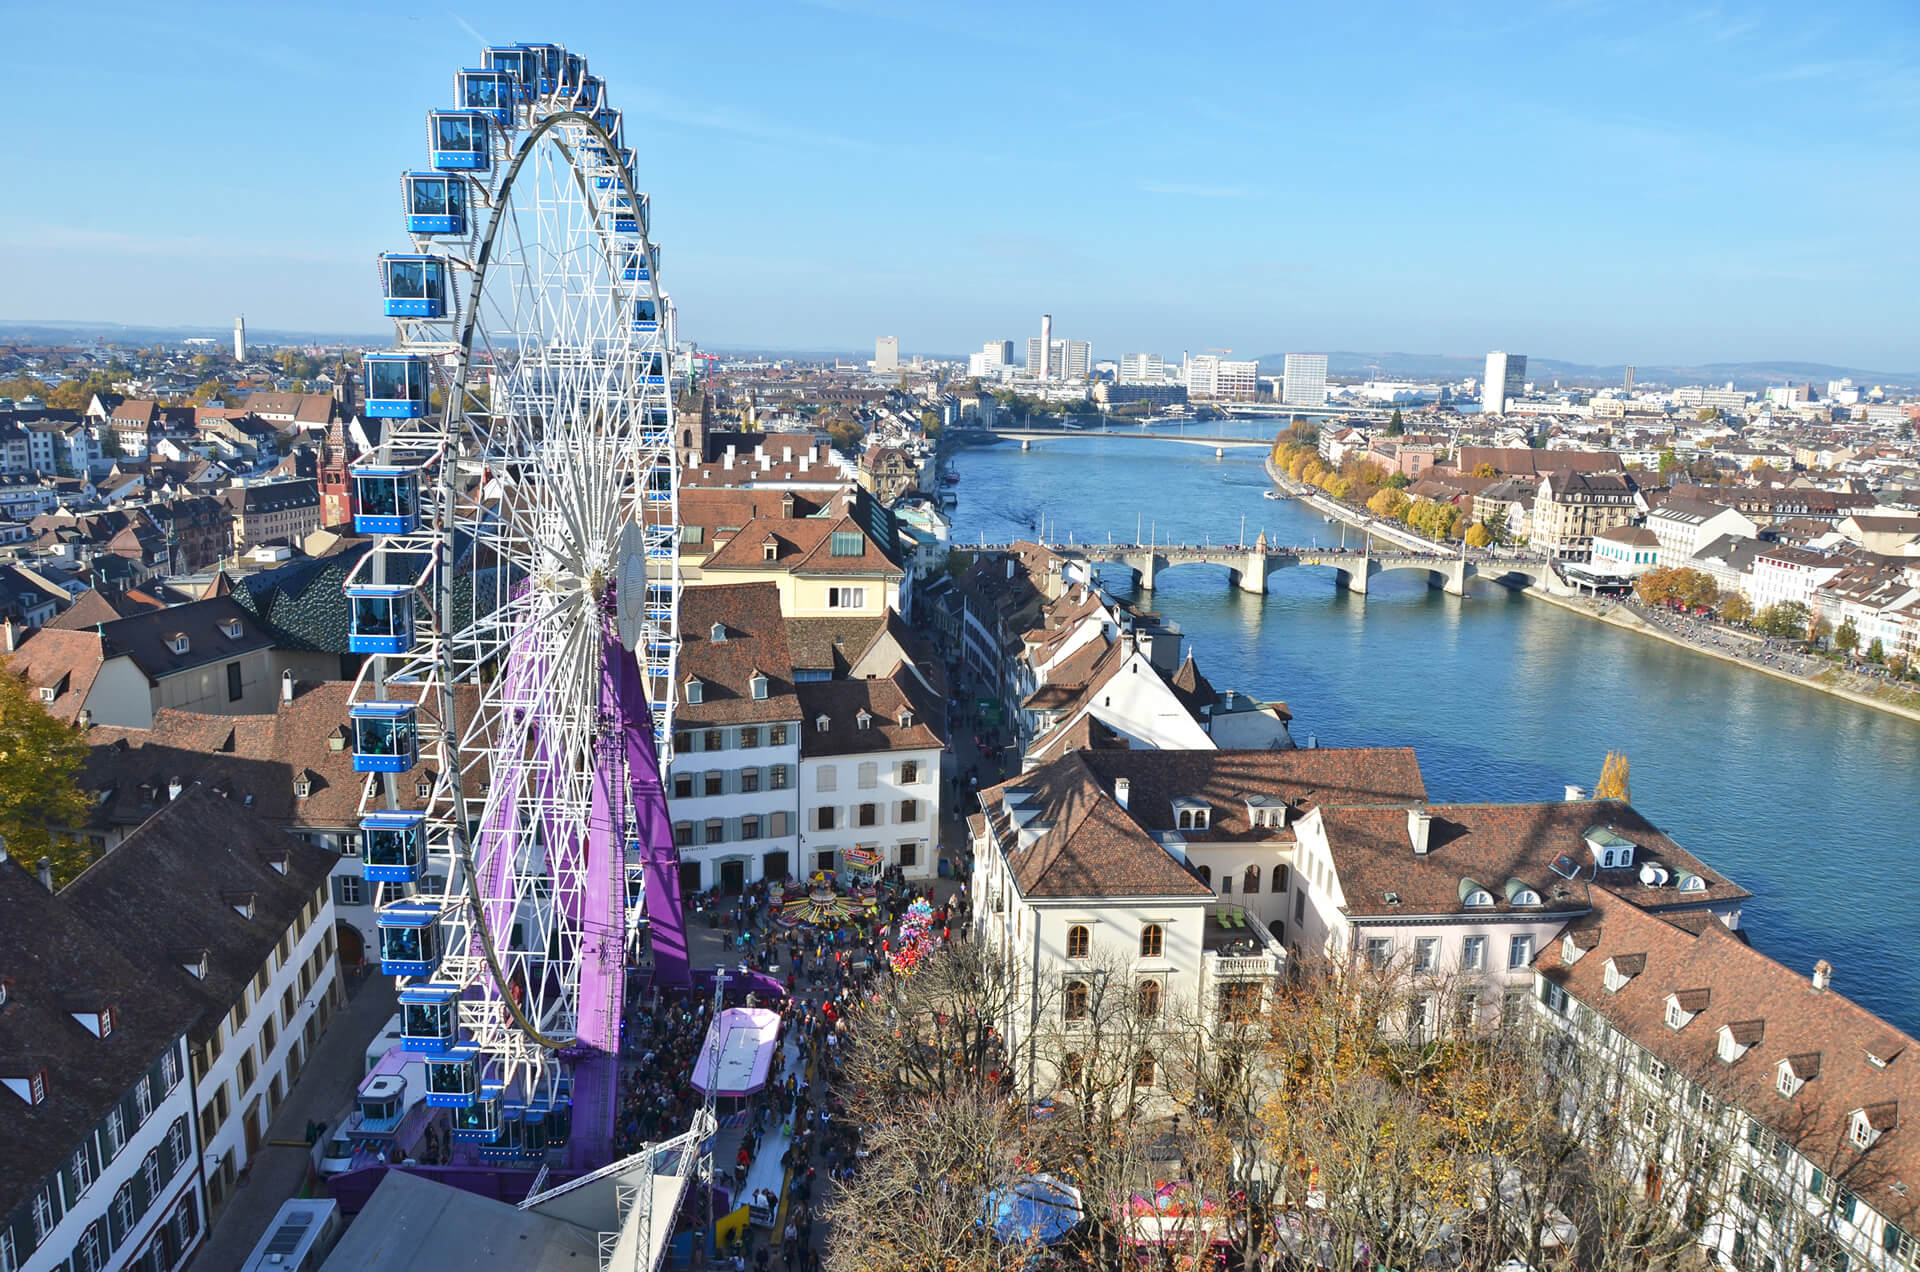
(518, 607)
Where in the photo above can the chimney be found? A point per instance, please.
(1822, 972)
(1575, 793)
(1122, 790)
(786, 454)
(84, 719)
(1419, 826)
(15, 633)
(806, 457)
(286, 686)
(1009, 569)
(45, 871)
(174, 787)
(726, 460)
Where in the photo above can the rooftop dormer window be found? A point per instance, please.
(1622, 968)
(719, 634)
(30, 1085)
(694, 692)
(757, 685)
(863, 721)
(302, 788)
(1684, 1006)
(231, 628)
(1191, 814)
(821, 723)
(1473, 896)
(769, 550)
(178, 643)
(1520, 893)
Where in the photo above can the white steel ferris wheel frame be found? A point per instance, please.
(546, 473)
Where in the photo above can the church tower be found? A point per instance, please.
(336, 482)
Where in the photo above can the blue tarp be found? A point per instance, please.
(1039, 1208)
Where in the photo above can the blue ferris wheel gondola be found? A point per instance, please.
(490, 92)
(436, 203)
(459, 140)
(409, 939)
(519, 61)
(630, 214)
(386, 736)
(416, 286)
(646, 315)
(635, 267)
(397, 386)
(392, 846)
(429, 1018)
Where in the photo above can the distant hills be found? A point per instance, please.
(53, 332)
(1745, 375)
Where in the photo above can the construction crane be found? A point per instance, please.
(711, 360)
(1219, 351)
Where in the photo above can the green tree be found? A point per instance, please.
(1876, 652)
(1668, 461)
(1497, 525)
(930, 423)
(1396, 426)
(1819, 628)
(1847, 636)
(40, 795)
(1784, 620)
(1614, 774)
(209, 390)
(1735, 608)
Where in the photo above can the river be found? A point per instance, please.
(1809, 801)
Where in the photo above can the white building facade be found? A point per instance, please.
(1305, 380)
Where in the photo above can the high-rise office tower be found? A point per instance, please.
(1304, 380)
(1142, 368)
(1505, 382)
(240, 338)
(998, 353)
(886, 354)
(1072, 359)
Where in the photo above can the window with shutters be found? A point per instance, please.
(122, 1211)
(749, 781)
(113, 1134)
(823, 818)
(749, 828)
(825, 778)
(750, 737)
(909, 772)
(683, 786)
(777, 777)
(909, 810)
(776, 735)
(869, 775)
(80, 1166)
(869, 815)
(715, 782)
(714, 740)
(142, 1102)
(777, 824)
(909, 852)
(150, 1173)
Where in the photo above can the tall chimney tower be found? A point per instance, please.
(240, 338)
(1046, 346)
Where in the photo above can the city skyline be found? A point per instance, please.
(1716, 231)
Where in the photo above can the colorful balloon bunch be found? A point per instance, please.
(917, 939)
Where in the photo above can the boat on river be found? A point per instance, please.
(1272, 494)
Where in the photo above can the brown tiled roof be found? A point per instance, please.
(1491, 844)
(65, 661)
(756, 640)
(1851, 1060)
(1224, 780)
(198, 853)
(832, 645)
(94, 607)
(1193, 689)
(803, 545)
(253, 758)
(885, 702)
(50, 947)
(148, 635)
(721, 513)
(1088, 846)
(1508, 461)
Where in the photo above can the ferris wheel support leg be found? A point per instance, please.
(659, 859)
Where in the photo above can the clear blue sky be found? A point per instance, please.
(1606, 182)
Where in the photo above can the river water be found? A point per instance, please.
(1809, 801)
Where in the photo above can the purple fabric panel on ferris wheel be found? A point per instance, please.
(653, 829)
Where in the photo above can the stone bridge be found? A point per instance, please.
(1248, 566)
(1219, 445)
